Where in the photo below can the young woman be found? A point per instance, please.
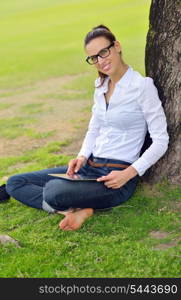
(126, 105)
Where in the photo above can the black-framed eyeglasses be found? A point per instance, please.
(102, 53)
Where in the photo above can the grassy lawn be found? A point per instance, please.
(45, 100)
(41, 38)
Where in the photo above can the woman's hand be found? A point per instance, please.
(74, 166)
(116, 179)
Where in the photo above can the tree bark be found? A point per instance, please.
(163, 64)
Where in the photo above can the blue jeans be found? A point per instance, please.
(40, 190)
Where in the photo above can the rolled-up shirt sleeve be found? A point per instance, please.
(90, 137)
(154, 115)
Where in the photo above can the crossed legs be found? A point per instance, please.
(76, 201)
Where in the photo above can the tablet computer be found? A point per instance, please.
(66, 177)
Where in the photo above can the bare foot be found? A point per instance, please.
(74, 220)
(66, 212)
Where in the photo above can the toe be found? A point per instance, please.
(66, 228)
(63, 223)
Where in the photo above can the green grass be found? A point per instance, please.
(5, 105)
(42, 39)
(78, 88)
(114, 244)
(39, 135)
(40, 158)
(14, 126)
(35, 108)
(70, 95)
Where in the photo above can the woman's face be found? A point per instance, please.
(109, 64)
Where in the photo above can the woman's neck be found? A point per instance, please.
(120, 72)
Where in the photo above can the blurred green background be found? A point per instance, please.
(41, 38)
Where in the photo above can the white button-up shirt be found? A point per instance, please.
(119, 131)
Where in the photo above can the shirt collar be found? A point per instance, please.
(123, 82)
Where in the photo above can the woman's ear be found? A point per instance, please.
(117, 46)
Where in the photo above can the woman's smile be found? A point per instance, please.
(106, 67)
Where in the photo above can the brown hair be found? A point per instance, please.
(100, 31)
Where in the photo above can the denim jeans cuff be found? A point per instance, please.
(48, 208)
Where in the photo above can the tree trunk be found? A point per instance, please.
(163, 64)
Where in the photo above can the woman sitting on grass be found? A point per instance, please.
(126, 105)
